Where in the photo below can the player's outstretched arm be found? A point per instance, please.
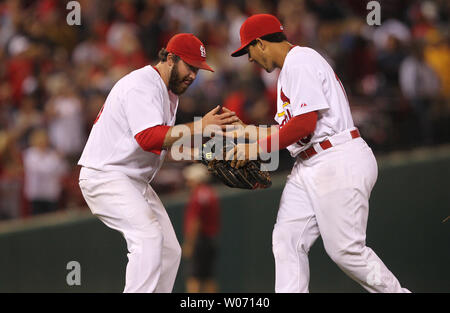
(161, 137)
(212, 120)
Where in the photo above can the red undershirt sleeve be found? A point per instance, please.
(297, 128)
(152, 139)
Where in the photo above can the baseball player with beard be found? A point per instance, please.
(328, 190)
(125, 150)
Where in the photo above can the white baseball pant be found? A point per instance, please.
(134, 209)
(328, 195)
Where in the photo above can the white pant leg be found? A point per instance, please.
(119, 202)
(294, 233)
(339, 182)
(171, 250)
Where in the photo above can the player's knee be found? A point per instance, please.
(337, 256)
(144, 244)
(286, 242)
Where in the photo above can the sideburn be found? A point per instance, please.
(173, 76)
(176, 82)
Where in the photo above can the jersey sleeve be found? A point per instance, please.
(305, 89)
(152, 139)
(295, 129)
(143, 109)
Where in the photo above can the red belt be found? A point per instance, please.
(326, 144)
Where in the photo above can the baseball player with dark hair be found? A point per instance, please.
(125, 150)
(328, 190)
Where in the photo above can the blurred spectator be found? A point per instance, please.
(420, 85)
(389, 29)
(11, 178)
(88, 52)
(437, 55)
(150, 30)
(9, 11)
(250, 101)
(389, 60)
(27, 118)
(44, 170)
(64, 114)
(201, 226)
(19, 66)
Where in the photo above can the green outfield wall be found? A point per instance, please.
(406, 229)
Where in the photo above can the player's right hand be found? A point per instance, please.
(215, 119)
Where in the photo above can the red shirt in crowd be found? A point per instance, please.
(204, 205)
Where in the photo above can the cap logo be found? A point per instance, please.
(203, 51)
(281, 27)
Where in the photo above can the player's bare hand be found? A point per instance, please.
(216, 119)
(236, 130)
(241, 154)
(239, 163)
(239, 122)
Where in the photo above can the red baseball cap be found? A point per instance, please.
(190, 49)
(257, 26)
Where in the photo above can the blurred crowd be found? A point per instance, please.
(54, 77)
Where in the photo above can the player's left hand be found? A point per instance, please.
(238, 122)
(236, 129)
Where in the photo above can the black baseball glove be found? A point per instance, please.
(249, 176)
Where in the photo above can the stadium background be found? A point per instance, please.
(54, 79)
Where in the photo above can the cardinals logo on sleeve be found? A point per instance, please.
(286, 114)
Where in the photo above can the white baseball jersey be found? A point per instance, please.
(308, 83)
(328, 194)
(138, 101)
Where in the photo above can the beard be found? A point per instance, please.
(176, 83)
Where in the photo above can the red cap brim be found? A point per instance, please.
(199, 64)
(241, 51)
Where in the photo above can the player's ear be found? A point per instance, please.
(261, 44)
(171, 59)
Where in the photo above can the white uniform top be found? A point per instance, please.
(308, 83)
(137, 101)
